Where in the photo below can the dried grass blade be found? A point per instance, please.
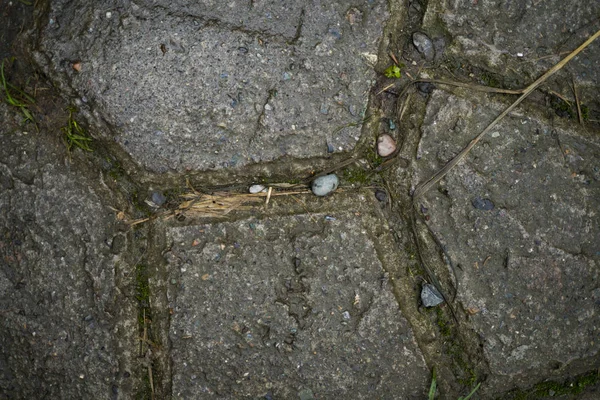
(425, 186)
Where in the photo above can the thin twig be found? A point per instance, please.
(479, 88)
(425, 186)
(268, 196)
(577, 103)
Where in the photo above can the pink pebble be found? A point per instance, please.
(385, 145)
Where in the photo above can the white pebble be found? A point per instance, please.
(385, 145)
(257, 189)
(324, 185)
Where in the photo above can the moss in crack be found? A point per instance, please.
(562, 108)
(142, 294)
(114, 168)
(410, 250)
(585, 112)
(137, 200)
(372, 157)
(490, 79)
(442, 323)
(542, 390)
(454, 347)
(356, 175)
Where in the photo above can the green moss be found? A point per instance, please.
(115, 170)
(356, 175)
(443, 323)
(561, 107)
(585, 112)
(410, 250)
(372, 157)
(542, 390)
(142, 293)
(490, 79)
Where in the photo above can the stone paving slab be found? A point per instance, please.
(525, 36)
(218, 84)
(67, 330)
(520, 218)
(287, 307)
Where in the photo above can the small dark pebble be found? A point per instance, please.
(430, 296)
(381, 195)
(424, 45)
(158, 198)
(126, 374)
(482, 204)
(115, 389)
(268, 396)
(425, 87)
(330, 148)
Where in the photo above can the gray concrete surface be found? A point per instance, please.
(69, 328)
(284, 304)
(229, 83)
(529, 265)
(306, 297)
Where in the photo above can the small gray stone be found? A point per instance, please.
(430, 296)
(306, 394)
(324, 185)
(381, 195)
(425, 87)
(424, 45)
(482, 204)
(158, 198)
(256, 189)
(346, 315)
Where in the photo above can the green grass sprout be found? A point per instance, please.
(433, 386)
(16, 97)
(75, 135)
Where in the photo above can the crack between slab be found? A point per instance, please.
(208, 22)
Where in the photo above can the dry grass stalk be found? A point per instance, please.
(220, 204)
(422, 188)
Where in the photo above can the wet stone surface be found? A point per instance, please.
(284, 305)
(529, 265)
(228, 84)
(67, 330)
(508, 42)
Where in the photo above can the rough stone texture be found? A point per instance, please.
(529, 266)
(66, 330)
(523, 35)
(282, 304)
(217, 84)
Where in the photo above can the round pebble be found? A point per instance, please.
(482, 204)
(425, 87)
(385, 145)
(256, 189)
(324, 185)
(158, 198)
(430, 296)
(381, 195)
(424, 45)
